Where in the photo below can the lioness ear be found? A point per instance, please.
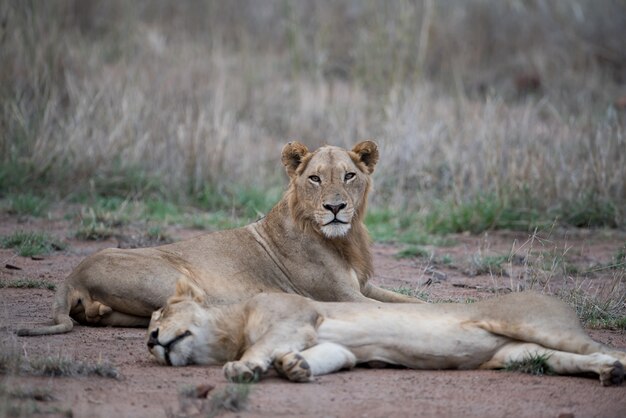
(292, 156)
(185, 288)
(367, 152)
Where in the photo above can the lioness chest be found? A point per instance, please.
(410, 337)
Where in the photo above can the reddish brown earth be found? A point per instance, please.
(146, 389)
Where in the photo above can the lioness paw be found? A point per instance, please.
(612, 375)
(294, 367)
(242, 372)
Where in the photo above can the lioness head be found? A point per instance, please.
(179, 334)
(329, 187)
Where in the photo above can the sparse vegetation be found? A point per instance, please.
(413, 252)
(25, 401)
(157, 233)
(14, 361)
(100, 222)
(30, 243)
(476, 215)
(94, 231)
(445, 259)
(488, 264)
(535, 364)
(390, 226)
(22, 204)
(619, 259)
(231, 398)
(28, 284)
(35, 393)
(59, 366)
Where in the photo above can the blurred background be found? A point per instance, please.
(488, 113)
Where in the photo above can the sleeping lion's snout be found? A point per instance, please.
(153, 338)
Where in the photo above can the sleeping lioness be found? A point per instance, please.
(302, 338)
(312, 243)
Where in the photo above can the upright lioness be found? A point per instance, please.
(312, 243)
(302, 338)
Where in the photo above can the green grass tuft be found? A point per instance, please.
(98, 222)
(62, 366)
(486, 212)
(385, 225)
(161, 210)
(619, 259)
(241, 201)
(26, 204)
(28, 244)
(124, 179)
(535, 364)
(158, 233)
(445, 259)
(493, 264)
(28, 284)
(413, 251)
(478, 214)
(589, 212)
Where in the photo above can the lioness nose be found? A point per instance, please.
(335, 208)
(152, 339)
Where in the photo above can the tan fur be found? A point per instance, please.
(302, 338)
(290, 250)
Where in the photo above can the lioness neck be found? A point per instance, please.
(353, 248)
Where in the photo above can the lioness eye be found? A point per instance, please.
(315, 179)
(348, 176)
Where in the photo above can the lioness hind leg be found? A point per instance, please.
(96, 312)
(120, 319)
(608, 368)
(318, 360)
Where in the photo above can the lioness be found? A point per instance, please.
(312, 243)
(302, 338)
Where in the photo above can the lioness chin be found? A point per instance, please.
(302, 338)
(312, 243)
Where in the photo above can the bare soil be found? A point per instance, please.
(146, 389)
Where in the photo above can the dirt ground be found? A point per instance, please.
(146, 389)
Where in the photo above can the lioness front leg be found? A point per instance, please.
(274, 344)
(318, 360)
(244, 371)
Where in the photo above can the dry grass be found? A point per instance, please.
(204, 401)
(507, 103)
(14, 361)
